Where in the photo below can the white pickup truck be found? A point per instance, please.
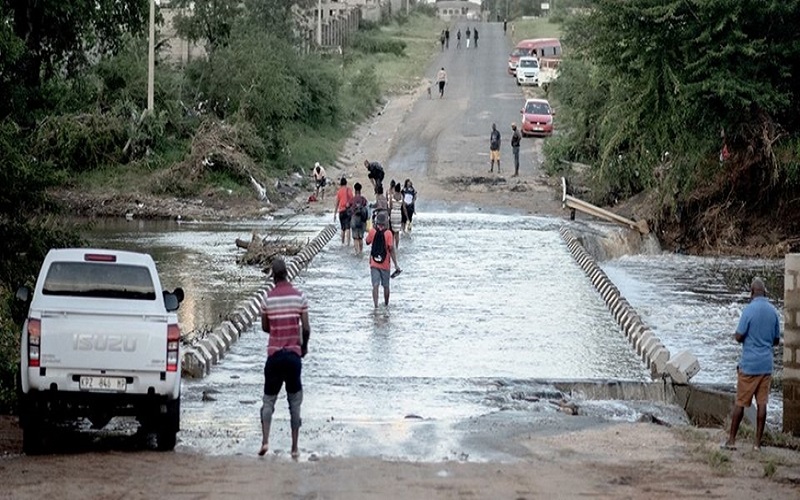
(100, 340)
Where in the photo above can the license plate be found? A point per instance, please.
(117, 384)
(538, 129)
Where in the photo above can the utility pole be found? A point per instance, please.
(319, 23)
(151, 58)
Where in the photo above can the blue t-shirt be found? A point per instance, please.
(760, 325)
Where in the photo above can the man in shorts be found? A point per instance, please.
(379, 271)
(358, 219)
(759, 331)
(341, 208)
(284, 316)
(494, 149)
(319, 181)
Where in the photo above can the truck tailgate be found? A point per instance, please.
(95, 341)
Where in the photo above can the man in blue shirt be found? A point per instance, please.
(759, 331)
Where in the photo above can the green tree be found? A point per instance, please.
(207, 20)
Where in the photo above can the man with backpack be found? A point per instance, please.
(381, 257)
(358, 218)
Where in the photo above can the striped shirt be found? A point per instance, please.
(283, 308)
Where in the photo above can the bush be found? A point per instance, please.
(371, 43)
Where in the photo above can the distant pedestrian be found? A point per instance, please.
(375, 172)
(442, 39)
(494, 149)
(458, 39)
(516, 137)
(475, 36)
(447, 38)
(341, 207)
(512, 31)
(319, 181)
(381, 257)
(409, 200)
(441, 80)
(359, 214)
(397, 208)
(468, 33)
(505, 26)
(284, 316)
(759, 330)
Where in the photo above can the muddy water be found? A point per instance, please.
(487, 305)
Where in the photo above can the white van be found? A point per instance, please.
(528, 71)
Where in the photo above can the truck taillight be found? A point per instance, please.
(173, 344)
(34, 341)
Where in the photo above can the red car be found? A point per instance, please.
(537, 118)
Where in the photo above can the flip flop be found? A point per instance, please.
(726, 446)
(396, 273)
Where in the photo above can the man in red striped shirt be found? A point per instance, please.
(284, 316)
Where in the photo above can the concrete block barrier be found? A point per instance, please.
(682, 367)
(198, 356)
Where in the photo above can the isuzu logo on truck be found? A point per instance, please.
(93, 342)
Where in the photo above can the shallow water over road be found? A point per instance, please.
(487, 305)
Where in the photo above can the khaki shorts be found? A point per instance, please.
(494, 155)
(748, 386)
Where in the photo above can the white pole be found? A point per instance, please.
(151, 57)
(319, 23)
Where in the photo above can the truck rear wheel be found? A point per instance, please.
(168, 426)
(33, 439)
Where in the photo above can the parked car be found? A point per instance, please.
(528, 71)
(540, 48)
(100, 339)
(537, 118)
(548, 71)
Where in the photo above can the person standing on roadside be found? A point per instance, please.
(341, 207)
(375, 172)
(381, 257)
(475, 36)
(494, 149)
(442, 39)
(284, 316)
(759, 330)
(447, 38)
(320, 181)
(458, 39)
(441, 80)
(358, 218)
(516, 137)
(468, 33)
(409, 200)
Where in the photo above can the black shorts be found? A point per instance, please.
(344, 220)
(321, 182)
(283, 367)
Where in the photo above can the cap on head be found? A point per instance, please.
(317, 165)
(514, 126)
(757, 286)
(381, 219)
(279, 269)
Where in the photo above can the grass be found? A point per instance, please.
(421, 35)
(719, 461)
(539, 27)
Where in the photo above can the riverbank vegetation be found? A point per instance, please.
(73, 77)
(692, 107)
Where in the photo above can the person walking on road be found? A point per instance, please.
(442, 39)
(358, 218)
(505, 26)
(441, 81)
(375, 172)
(759, 330)
(409, 200)
(447, 38)
(397, 208)
(468, 33)
(494, 149)
(381, 257)
(458, 39)
(475, 36)
(341, 207)
(284, 316)
(516, 137)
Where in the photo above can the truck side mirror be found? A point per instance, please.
(22, 299)
(173, 299)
